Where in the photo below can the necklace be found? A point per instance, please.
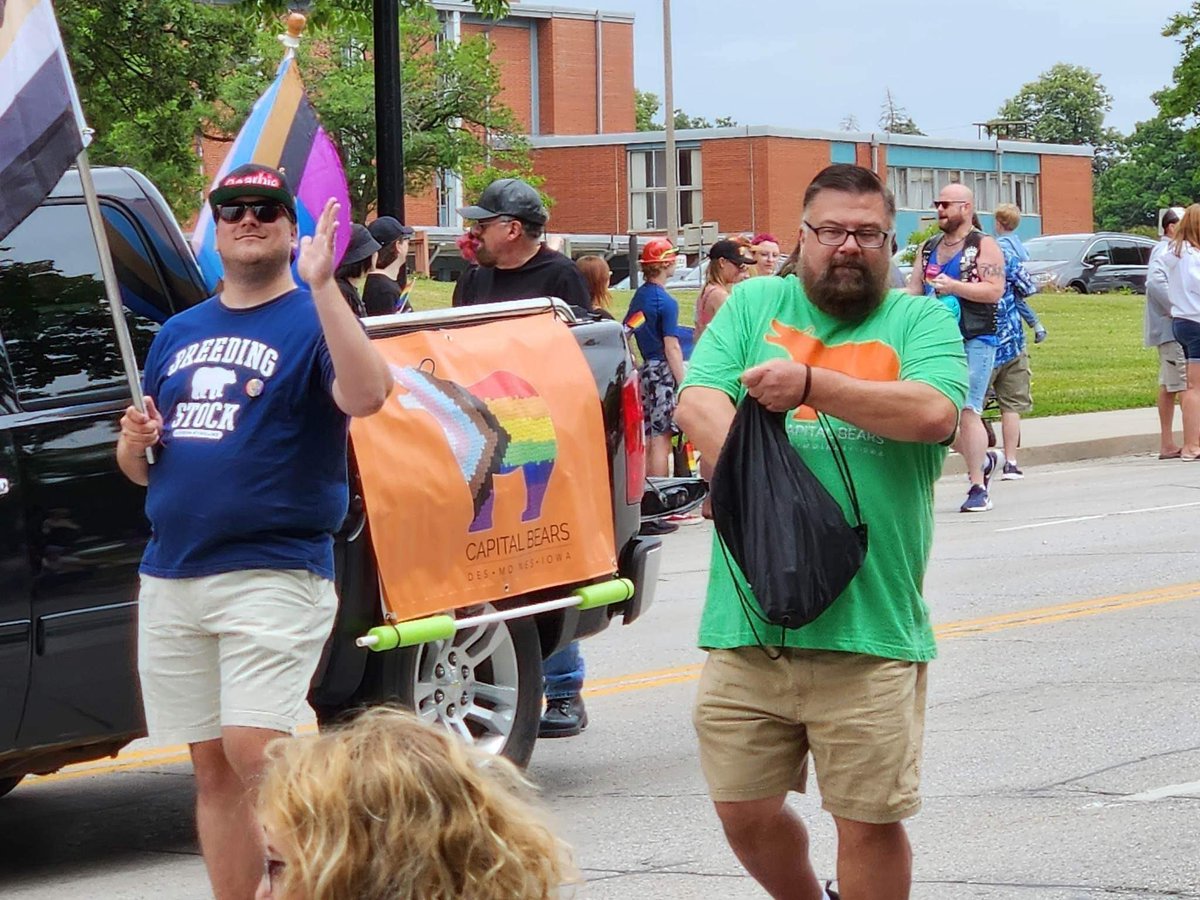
(946, 243)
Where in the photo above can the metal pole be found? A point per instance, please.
(669, 121)
(389, 138)
(111, 288)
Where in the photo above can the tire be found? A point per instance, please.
(1078, 287)
(502, 684)
(7, 784)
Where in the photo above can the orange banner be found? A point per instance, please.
(485, 475)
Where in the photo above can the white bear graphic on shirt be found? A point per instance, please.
(209, 382)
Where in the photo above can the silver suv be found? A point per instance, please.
(1089, 263)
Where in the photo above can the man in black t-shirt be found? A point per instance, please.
(512, 263)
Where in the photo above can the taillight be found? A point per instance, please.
(635, 438)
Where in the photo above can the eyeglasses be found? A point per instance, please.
(866, 238)
(942, 204)
(266, 211)
(482, 224)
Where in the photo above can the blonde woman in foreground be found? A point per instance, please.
(388, 808)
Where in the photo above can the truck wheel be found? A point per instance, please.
(484, 683)
(7, 784)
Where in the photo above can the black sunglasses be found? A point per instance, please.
(266, 211)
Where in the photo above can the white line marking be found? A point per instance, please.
(1171, 790)
(1123, 512)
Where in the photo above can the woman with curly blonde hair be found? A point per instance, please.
(389, 807)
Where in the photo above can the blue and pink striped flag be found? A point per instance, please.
(283, 132)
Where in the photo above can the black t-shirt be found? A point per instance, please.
(380, 295)
(350, 293)
(547, 274)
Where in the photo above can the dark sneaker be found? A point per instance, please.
(989, 468)
(1039, 335)
(977, 500)
(655, 526)
(1011, 472)
(564, 717)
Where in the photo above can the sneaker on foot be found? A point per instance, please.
(989, 468)
(1011, 472)
(977, 500)
(1039, 335)
(656, 526)
(564, 717)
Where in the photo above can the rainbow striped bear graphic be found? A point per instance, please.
(494, 427)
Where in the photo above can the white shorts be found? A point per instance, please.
(237, 649)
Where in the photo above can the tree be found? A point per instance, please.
(1067, 105)
(849, 123)
(1181, 101)
(1160, 168)
(453, 120)
(645, 107)
(894, 118)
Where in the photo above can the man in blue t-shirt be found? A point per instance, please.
(247, 396)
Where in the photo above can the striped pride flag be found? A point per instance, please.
(283, 132)
(41, 124)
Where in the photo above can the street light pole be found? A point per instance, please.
(669, 120)
(389, 138)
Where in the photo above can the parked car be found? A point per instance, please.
(72, 527)
(1089, 263)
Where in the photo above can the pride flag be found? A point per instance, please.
(41, 124)
(636, 320)
(283, 132)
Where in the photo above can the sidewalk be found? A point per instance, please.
(1056, 439)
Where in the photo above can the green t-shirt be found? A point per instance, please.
(882, 612)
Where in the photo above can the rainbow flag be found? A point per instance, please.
(283, 132)
(41, 124)
(635, 320)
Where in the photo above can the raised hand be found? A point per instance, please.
(315, 264)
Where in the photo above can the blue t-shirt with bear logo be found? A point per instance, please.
(251, 470)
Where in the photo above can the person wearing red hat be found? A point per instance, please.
(653, 318)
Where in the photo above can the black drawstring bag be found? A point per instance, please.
(782, 527)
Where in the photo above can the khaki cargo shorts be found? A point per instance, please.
(861, 717)
(236, 649)
(1011, 382)
(1172, 367)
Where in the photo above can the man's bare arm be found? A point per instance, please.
(990, 266)
(705, 415)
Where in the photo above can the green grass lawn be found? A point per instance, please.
(1093, 359)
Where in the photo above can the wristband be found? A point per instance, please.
(807, 384)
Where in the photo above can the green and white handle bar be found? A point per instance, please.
(442, 627)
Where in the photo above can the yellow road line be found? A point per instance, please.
(605, 687)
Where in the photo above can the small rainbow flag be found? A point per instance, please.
(283, 132)
(635, 320)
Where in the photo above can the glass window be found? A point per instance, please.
(1126, 253)
(1098, 248)
(648, 188)
(54, 318)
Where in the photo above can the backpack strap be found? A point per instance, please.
(927, 249)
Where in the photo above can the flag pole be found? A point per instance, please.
(111, 288)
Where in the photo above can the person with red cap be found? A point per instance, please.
(653, 318)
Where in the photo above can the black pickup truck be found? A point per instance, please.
(72, 528)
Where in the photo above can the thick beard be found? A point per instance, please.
(849, 291)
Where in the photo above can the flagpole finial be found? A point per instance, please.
(295, 28)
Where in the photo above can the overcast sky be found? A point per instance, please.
(810, 63)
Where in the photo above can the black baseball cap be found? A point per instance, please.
(386, 229)
(254, 180)
(731, 251)
(508, 197)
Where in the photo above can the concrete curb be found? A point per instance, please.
(1074, 451)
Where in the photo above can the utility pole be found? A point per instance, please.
(389, 138)
(669, 120)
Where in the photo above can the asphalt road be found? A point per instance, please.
(1062, 754)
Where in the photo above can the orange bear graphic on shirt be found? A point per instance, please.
(870, 360)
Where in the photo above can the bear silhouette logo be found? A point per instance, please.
(496, 426)
(209, 382)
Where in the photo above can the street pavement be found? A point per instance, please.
(1062, 752)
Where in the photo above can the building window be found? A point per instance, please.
(917, 188)
(648, 188)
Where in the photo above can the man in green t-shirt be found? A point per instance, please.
(888, 370)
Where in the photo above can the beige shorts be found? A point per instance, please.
(1011, 382)
(238, 649)
(1172, 367)
(861, 717)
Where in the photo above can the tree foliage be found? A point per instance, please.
(894, 118)
(1161, 168)
(1181, 101)
(646, 106)
(849, 123)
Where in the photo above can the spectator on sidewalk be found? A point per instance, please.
(388, 807)
(965, 268)
(383, 295)
(728, 264)
(1183, 284)
(352, 271)
(1011, 376)
(1008, 217)
(766, 254)
(597, 274)
(1159, 334)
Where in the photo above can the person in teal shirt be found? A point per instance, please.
(889, 372)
